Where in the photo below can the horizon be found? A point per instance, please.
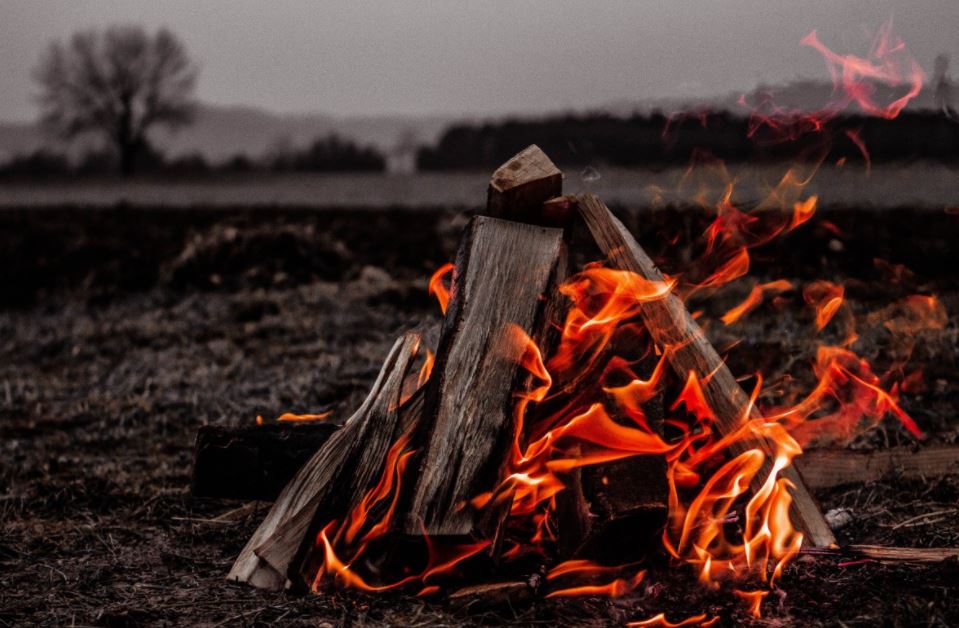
(420, 61)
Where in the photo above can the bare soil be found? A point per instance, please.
(122, 330)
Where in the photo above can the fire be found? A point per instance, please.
(344, 545)
(583, 403)
(290, 417)
(438, 287)
(826, 297)
(660, 621)
(616, 587)
(755, 299)
(855, 78)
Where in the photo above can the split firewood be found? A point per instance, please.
(518, 189)
(825, 468)
(503, 271)
(881, 554)
(905, 554)
(253, 462)
(336, 477)
(670, 324)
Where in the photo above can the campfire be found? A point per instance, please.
(572, 427)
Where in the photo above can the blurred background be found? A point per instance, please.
(242, 102)
(212, 210)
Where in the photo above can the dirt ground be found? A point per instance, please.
(122, 330)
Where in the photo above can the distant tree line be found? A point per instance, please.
(330, 153)
(656, 140)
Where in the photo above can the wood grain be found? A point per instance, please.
(518, 189)
(825, 468)
(337, 474)
(504, 270)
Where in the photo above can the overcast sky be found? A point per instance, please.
(477, 57)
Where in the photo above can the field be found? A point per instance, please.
(919, 185)
(124, 328)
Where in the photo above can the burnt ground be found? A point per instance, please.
(123, 330)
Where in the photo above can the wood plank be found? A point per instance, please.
(504, 271)
(338, 474)
(670, 323)
(882, 554)
(826, 468)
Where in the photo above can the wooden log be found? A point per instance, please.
(253, 462)
(881, 554)
(503, 271)
(332, 480)
(826, 468)
(670, 324)
(905, 554)
(518, 189)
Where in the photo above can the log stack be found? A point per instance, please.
(510, 264)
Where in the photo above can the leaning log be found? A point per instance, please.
(671, 324)
(503, 271)
(333, 480)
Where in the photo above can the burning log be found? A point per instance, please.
(503, 271)
(335, 477)
(671, 325)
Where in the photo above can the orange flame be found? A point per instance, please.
(438, 287)
(586, 568)
(290, 417)
(755, 298)
(660, 621)
(826, 297)
(753, 601)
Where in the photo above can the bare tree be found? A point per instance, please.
(117, 83)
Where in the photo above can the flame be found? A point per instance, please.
(855, 78)
(586, 568)
(826, 297)
(426, 370)
(344, 545)
(848, 393)
(290, 417)
(583, 403)
(755, 298)
(438, 287)
(660, 621)
(752, 600)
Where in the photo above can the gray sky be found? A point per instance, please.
(477, 57)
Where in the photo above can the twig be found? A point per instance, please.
(905, 524)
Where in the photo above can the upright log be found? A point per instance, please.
(503, 271)
(670, 323)
(337, 475)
